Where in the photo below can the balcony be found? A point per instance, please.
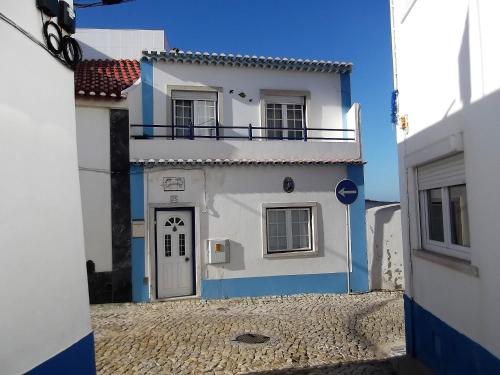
(247, 142)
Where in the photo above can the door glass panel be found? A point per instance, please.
(182, 244)
(459, 216)
(168, 245)
(435, 208)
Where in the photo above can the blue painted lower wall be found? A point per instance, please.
(140, 291)
(357, 223)
(78, 359)
(442, 348)
(274, 285)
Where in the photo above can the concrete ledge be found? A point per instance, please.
(446, 261)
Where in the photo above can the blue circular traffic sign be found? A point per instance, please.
(346, 192)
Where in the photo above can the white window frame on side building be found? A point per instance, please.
(439, 177)
(311, 250)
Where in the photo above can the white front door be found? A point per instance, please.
(174, 253)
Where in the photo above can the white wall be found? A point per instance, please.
(325, 104)
(323, 111)
(447, 72)
(42, 281)
(385, 247)
(232, 207)
(92, 129)
(119, 44)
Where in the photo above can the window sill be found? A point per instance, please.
(291, 254)
(447, 261)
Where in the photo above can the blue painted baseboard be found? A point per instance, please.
(140, 290)
(78, 359)
(442, 348)
(274, 285)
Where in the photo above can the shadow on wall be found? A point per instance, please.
(385, 248)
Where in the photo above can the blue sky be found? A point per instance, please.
(356, 30)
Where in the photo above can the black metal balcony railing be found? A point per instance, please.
(214, 132)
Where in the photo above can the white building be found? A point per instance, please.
(44, 319)
(446, 60)
(230, 195)
(118, 44)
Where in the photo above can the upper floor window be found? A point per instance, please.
(194, 113)
(444, 213)
(284, 117)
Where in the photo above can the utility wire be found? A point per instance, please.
(30, 36)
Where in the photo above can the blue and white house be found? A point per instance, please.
(233, 166)
(446, 60)
(215, 175)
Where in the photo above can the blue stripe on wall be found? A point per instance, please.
(359, 275)
(147, 96)
(274, 285)
(137, 192)
(442, 348)
(78, 359)
(140, 292)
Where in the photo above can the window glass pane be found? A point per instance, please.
(276, 230)
(294, 121)
(183, 117)
(205, 116)
(274, 120)
(300, 228)
(459, 216)
(435, 208)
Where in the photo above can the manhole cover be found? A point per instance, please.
(252, 338)
(222, 309)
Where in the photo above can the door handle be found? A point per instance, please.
(186, 259)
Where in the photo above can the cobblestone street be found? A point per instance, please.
(309, 334)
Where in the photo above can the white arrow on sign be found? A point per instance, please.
(344, 192)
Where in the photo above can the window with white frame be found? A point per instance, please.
(444, 214)
(284, 117)
(194, 113)
(289, 229)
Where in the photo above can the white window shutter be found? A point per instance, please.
(278, 99)
(444, 172)
(194, 95)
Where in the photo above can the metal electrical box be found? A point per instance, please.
(218, 251)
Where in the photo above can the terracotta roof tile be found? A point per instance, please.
(105, 78)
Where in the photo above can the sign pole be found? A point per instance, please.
(348, 226)
(346, 192)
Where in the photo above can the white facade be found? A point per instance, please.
(42, 282)
(93, 129)
(118, 43)
(446, 70)
(229, 202)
